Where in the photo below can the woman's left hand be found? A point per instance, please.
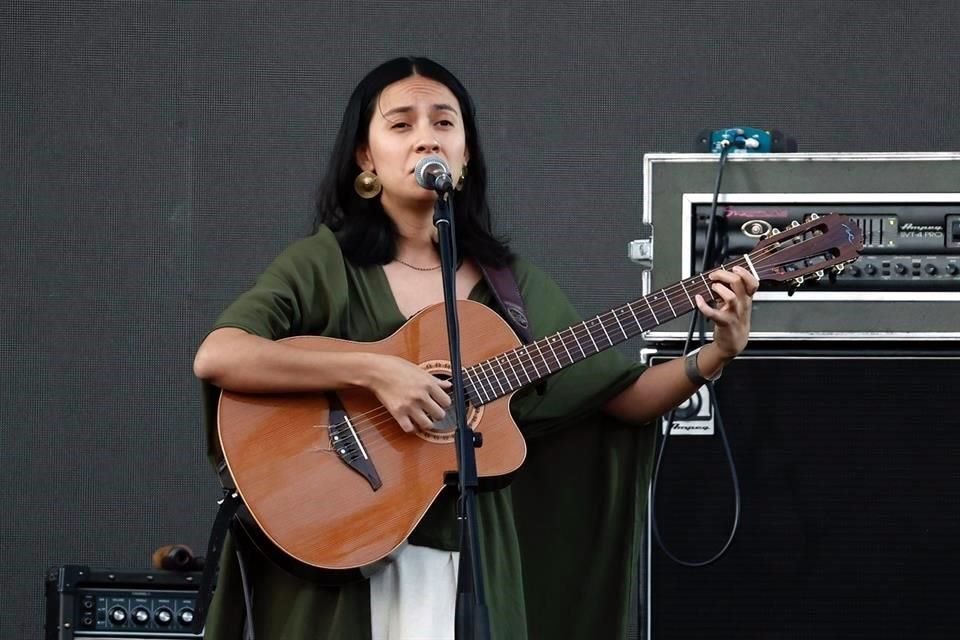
(733, 291)
(667, 384)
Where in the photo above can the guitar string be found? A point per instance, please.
(364, 422)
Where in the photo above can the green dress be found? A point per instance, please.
(559, 545)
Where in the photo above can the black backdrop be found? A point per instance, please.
(157, 155)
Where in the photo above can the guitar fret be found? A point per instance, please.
(655, 318)
(609, 341)
(526, 351)
(496, 379)
(543, 357)
(635, 318)
(516, 352)
(564, 343)
(667, 298)
(625, 336)
(474, 371)
(554, 352)
(689, 299)
(596, 349)
(753, 270)
(577, 340)
(707, 287)
(485, 383)
(514, 369)
(477, 387)
(505, 376)
(470, 389)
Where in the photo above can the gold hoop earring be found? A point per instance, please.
(462, 179)
(367, 185)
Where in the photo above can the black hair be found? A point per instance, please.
(367, 235)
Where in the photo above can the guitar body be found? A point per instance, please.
(308, 502)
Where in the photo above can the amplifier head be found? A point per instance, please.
(904, 286)
(81, 603)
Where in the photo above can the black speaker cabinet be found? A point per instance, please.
(97, 605)
(849, 469)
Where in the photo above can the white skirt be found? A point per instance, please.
(414, 597)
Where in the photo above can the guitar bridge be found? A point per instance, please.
(346, 443)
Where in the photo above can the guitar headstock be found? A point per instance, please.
(822, 243)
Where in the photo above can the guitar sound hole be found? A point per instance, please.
(443, 431)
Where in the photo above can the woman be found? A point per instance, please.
(373, 263)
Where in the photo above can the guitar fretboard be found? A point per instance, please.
(496, 377)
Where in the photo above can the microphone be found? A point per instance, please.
(432, 173)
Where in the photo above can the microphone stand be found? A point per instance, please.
(471, 616)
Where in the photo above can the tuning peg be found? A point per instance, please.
(818, 274)
(795, 223)
(774, 231)
(798, 280)
(838, 269)
(814, 216)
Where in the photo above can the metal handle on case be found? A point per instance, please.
(640, 251)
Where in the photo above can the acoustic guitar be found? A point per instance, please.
(332, 483)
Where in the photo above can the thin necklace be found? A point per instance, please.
(415, 267)
(436, 268)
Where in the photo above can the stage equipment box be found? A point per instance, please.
(97, 605)
(846, 461)
(904, 286)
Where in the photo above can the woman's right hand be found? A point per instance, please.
(414, 398)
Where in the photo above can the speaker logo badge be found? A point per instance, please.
(692, 418)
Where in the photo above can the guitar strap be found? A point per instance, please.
(506, 291)
(229, 505)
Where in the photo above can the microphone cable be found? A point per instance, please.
(697, 319)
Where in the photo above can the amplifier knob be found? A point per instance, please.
(185, 616)
(118, 615)
(854, 271)
(952, 269)
(931, 269)
(900, 268)
(140, 616)
(870, 269)
(163, 616)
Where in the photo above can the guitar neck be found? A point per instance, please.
(496, 377)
